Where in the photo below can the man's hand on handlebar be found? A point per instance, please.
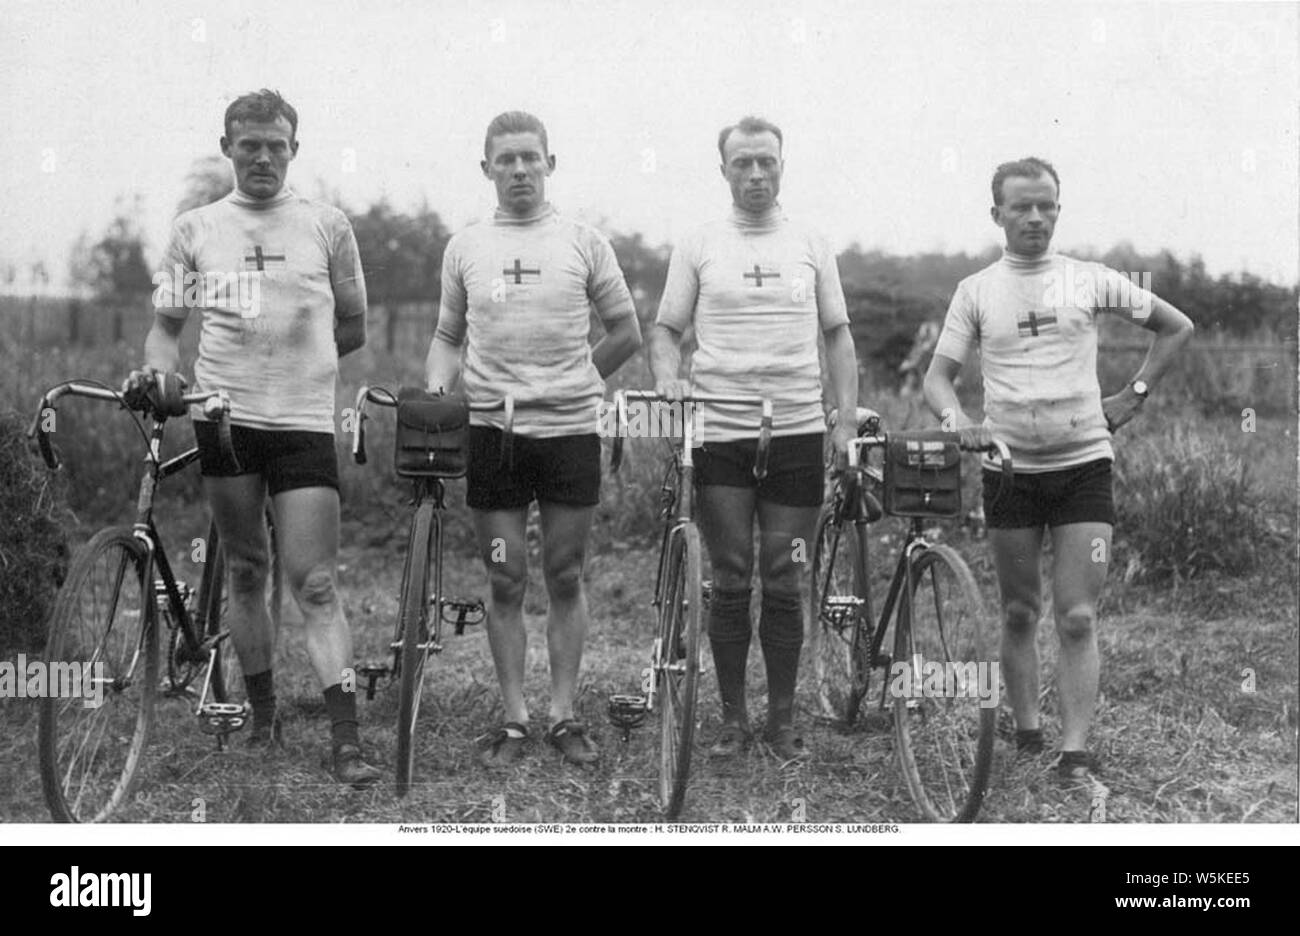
(976, 438)
(673, 390)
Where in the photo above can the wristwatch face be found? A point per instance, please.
(1140, 388)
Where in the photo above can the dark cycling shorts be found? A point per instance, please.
(285, 458)
(557, 470)
(795, 468)
(1081, 494)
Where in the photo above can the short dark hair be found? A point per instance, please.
(749, 125)
(262, 106)
(514, 122)
(1031, 167)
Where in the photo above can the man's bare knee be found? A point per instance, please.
(564, 582)
(507, 585)
(315, 587)
(248, 574)
(1076, 624)
(1020, 617)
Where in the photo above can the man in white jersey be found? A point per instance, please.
(277, 357)
(517, 296)
(1033, 316)
(758, 290)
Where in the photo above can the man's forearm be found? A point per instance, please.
(941, 397)
(1170, 338)
(162, 346)
(442, 366)
(350, 334)
(842, 363)
(665, 354)
(619, 344)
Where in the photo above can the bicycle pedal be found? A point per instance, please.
(373, 672)
(627, 712)
(839, 610)
(466, 612)
(222, 718)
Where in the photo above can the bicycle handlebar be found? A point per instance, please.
(159, 403)
(384, 397)
(621, 398)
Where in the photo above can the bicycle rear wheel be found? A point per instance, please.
(413, 618)
(102, 628)
(944, 735)
(840, 634)
(678, 665)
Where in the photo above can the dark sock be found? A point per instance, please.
(729, 635)
(1029, 740)
(780, 630)
(342, 709)
(261, 696)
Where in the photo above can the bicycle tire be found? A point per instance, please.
(679, 669)
(839, 649)
(103, 614)
(412, 618)
(945, 741)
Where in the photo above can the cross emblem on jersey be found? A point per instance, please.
(518, 272)
(759, 273)
(261, 259)
(1035, 324)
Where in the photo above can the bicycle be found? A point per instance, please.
(106, 621)
(417, 632)
(680, 592)
(944, 739)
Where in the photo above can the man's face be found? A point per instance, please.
(752, 167)
(260, 152)
(518, 165)
(1027, 213)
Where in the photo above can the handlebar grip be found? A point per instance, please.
(166, 396)
(359, 428)
(227, 443)
(620, 430)
(764, 442)
(37, 432)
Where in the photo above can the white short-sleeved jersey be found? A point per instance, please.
(758, 291)
(263, 275)
(519, 295)
(1034, 322)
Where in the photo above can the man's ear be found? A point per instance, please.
(483, 164)
(293, 147)
(225, 148)
(550, 163)
(996, 214)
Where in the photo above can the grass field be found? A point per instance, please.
(1180, 738)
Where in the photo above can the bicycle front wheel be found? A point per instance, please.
(678, 665)
(413, 618)
(102, 672)
(213, 605)
(941, 689)
(839, 617)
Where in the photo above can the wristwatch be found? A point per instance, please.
(1141, 389)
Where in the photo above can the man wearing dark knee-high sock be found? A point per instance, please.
(758, 290)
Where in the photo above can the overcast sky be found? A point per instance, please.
(1172, 125)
